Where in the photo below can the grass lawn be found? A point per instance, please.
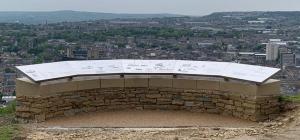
(8, 129)
(291, 98)
(8, 110)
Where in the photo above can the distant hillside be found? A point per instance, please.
(69, 16)
(257, 14)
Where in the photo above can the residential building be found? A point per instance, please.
(287, 59)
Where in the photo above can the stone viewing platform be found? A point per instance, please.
(63, 94)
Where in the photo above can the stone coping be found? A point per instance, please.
(26, 87)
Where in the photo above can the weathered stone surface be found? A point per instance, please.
(24, 115)
(136, 82)
(237, 103)
(147, 100)
(149, 95)
(238, 88)
(230, 107)
(208, 85)
(112, 83)
(250, 105)
(160, 82)
(184, 84)
(269, 88)
(209, 105)
(188, 103)
(22, 108)
(163, 101)
(40, 117)
(116, 97)
(88, 84)
(240, 109)
(177, 102)
(36, 110)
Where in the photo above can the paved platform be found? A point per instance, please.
(146, 119)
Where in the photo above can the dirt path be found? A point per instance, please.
(286, 127)
(147, 119)
(140, 133)
(292, 132)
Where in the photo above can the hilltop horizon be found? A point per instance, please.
(39, 17)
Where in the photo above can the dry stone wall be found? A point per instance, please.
(38, 108)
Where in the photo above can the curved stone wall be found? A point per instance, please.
(40, 102)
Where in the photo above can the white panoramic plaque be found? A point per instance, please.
(249, 72)
(97, 67)
(204, 68)
(57, 70)
(162, 66)
(47, 71)
(135, 66)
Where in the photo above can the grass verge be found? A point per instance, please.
(8, 128)
(8, 110)
(8, 131)
(291, 98)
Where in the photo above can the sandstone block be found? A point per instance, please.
(250, 111)
(136, 82)
(147, 100)
(35, 110)
(23, 114)
(229, 107)
(239, 109)
(177, 102)
(159, 82)
(250, 105)
(22, 109)
(163, 101)
(205, 99)
(189, 98)
(52, 89)
(133, 99)
(184, 84)
(24, 87)
(271, 87)
(208, 85)
(40, 117)
(88, 84)
(153, 95)
(239, 88)
(112, 83)
(189, 104)
(237, 103)
(220, 104)
(209, 105)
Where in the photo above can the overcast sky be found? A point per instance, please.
(185, 7)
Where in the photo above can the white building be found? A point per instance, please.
(272, 49)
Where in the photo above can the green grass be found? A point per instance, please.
(8, 129)
(7, 132)
(291, 98)
(9, 109)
